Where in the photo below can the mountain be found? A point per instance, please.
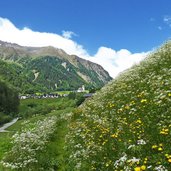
(34, 69)
(127, 124)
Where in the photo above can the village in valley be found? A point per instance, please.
(56, 94)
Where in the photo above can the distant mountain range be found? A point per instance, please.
(45, 69)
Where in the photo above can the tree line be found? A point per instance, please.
(9, 102)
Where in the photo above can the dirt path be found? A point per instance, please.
(5, 126)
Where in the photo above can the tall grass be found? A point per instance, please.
(127, 125)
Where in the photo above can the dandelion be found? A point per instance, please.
(154, 146)
(143, 167)
(169, 94)
(164, 131)
(143, 100)
(137, 169)
(160, 149)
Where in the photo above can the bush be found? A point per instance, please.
(4, 118)
(79, 100)
(9, 102)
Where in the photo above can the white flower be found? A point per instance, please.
(141, 142)
(160, 168)
(134, 160)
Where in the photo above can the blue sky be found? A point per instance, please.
(135, 25)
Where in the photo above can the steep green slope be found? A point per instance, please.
(47, 69)
(13, 73)
(53, 75)
(127, 125)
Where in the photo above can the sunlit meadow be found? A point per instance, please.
(127, 125)
(27, 143)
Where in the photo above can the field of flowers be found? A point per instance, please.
(127, 125)
(27, 143)
(36, 141)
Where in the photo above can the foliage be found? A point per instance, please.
(4, 118)
(46, 74)
(53, 149)
(127, 124)
(72, 95)
(33, 107)
(78, 97)
(9, 102)
(28, 142)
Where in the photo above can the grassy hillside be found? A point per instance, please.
(127, 125)
(16, 75)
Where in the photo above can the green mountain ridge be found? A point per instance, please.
(127, 124)
(43, 69)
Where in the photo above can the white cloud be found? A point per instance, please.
(111, 60)
(28, 37)
(116, 61)
(167, 20)
(68, 34)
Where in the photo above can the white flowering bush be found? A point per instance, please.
(28, 142)
(127, 125)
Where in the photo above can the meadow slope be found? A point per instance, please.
(127, 125)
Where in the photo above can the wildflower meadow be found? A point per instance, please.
(28, 142)
(127, 124)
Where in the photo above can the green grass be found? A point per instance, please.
(30, 107)
(127, 124)
(4, 143)
(55, 148)
(55, 152)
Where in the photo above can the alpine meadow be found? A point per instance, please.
(127, 125)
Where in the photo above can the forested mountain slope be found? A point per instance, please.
(34, 69)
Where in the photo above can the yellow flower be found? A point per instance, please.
(169, 160)
(104, 143)
(143, 167)
(160, 149)
(166, 155)
(139, 121)
(154, 146)
(143, 100)
(164, 131)
(107, 164)
(137, 169)
(114, 135)
(169, 94)
(127, 107)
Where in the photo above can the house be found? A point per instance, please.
(23, 97)
(81, 89)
